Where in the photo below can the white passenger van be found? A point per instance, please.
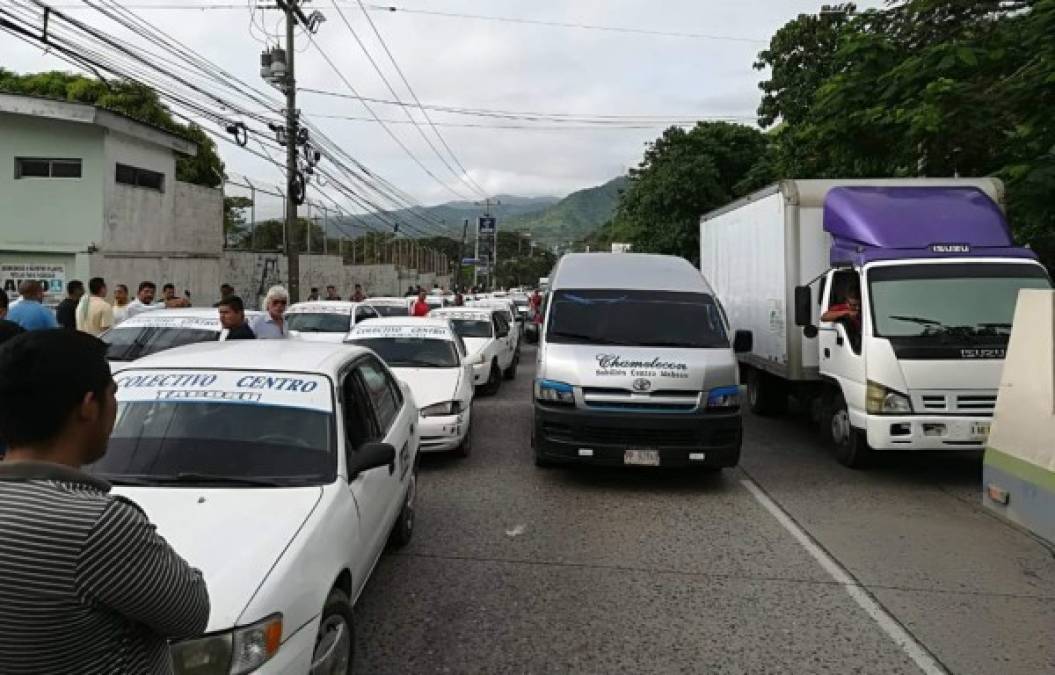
(636, 366)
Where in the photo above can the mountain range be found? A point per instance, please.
(549, 220)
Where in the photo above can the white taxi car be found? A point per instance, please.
(489, 341)
(161, 329)
(431, 359)
(281, 484)
(326, 320)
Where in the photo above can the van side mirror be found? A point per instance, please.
(803, 306)
(371, 456)
(743, 341)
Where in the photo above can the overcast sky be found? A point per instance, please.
(498, 65)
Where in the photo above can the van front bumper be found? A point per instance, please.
(577, 435)
(926, 432)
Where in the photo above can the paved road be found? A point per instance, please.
(515, 569)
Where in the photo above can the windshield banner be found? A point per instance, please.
(320, 308)
(293, 390)
(427, 332)
(203, 322)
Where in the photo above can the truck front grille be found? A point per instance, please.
(954, 403)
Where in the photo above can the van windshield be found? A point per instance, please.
(636, 319)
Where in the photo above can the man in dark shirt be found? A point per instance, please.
(232, 317)
(88, 585)
(66, 312)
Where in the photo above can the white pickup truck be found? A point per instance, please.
(490, 341)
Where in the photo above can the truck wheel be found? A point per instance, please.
(851, 443)
(494, 380)
(766, 395)
(335, 643)
(510, 373)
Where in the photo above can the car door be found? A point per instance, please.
(840, 357)
(396, 426)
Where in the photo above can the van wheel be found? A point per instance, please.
(510, 373)
(335, 642)
(494, 381)
(403, 529)
(851, 443)
(766, 395)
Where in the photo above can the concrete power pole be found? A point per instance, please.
(292, 254)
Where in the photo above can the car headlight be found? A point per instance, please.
(445, 408)
(549, 391)
(723, 398)
(232, 652)
(881, 400)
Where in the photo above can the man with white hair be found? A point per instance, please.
(272, 324)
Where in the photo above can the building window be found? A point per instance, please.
(43, 167)
(144, 178)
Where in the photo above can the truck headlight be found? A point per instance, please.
(549, 391)
(232, 652)
(723, 398)
(439, 409)
(880, 400)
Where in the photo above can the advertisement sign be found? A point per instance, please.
(51, 276)
(486, 224)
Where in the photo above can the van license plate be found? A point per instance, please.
(641, 457)
(980, 430)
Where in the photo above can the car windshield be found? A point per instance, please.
(128, 344)
(963, 300)
(636, 318)
(322, 322)
(413, 352)
(472, 328)
(232, 428)
(391, 310)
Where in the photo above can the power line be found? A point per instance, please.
(556, 127)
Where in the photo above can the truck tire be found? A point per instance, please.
(510, 373)
(766, 395)
(851, 443)
(494, 381)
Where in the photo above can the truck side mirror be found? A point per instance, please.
(803, 306)
(809, 332)
(743, 341)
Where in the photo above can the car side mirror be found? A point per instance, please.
(371, 456)
(803, 306)
(809, 332)
(743, 341)
(503, 332)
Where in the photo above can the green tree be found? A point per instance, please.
(234, 222)
(127, 98)
(269, 235)
(683, 175)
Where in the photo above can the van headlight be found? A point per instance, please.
(439, 409)
(723, 398)
(550, 391)
(232, 652)
(880, 400)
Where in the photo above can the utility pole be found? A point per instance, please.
(461, 253)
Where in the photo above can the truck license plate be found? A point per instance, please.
(980, 430)
(641, 457)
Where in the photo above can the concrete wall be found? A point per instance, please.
(200, 275)
(50, 214)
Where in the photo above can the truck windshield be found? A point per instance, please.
(129, 344)
(968, 300)
(636, 318)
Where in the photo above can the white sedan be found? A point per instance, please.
(159, 329)
(326, 320)
(489, 342)
(431, 359)
(281, 484)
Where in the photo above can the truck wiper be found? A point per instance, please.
(917, 319)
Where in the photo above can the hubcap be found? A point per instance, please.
(841, 427)
(333, 647)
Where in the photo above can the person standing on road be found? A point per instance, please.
(313, 295)
(94, 313)
(232, 317)
(331, 293)
(144, 300)
(29, 313)
(66, 312)
(420, 307)
(272, 324)
(358, 296)
(120, 303)
(226, 291)
(168, 296)
(88, 585)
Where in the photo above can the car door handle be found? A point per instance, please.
(827, 353)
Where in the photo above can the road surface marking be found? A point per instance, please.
(915, 651)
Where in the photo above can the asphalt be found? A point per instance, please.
(516, 569)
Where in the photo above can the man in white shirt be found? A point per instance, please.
(94, 313)
(120, 303)
(272, 324)
(144, 300)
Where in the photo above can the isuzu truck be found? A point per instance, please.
(884, 305)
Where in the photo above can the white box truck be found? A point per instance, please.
(884, 304)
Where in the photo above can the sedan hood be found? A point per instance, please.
(430, 385)
(233, 535)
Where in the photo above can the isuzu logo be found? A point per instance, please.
(641, 384)
(951, 248)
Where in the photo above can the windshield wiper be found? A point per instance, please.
(917, 319)
(189, 477)
(595, 339)
(119, 479)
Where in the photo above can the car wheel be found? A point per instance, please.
(403, 529)
(766, 395)
(511, 372)
(851, 443)
(335, 642)
(494, 380)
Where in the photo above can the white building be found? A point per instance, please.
(86, 192)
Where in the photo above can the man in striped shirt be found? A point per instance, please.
(86, 583)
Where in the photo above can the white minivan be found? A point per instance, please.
(636, 366)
